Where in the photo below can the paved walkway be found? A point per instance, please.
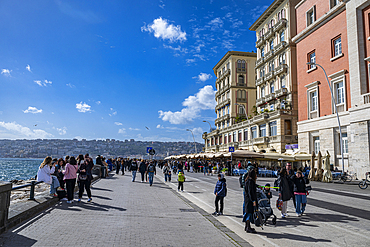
(123, 213)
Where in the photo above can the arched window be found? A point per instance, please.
(243, 64)
(272, 87)
(244, 94)
(272, 23)
(270, 66)
(263, 31)
(241, 79)
(282, 36)
(241, 110)
(239, 64)
(262, 51)
(263, 91)
(271, 45)
(283, 13)
(283, 81)
(279, 16)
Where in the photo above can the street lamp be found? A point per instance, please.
(335, 106)
(195, 145)
(210, 127)
(249, 122)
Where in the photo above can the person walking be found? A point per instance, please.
(300, 193)
(220, 192)
(166, 171)
(285, 194)
(290, 176)
(118, 165)
(180, 180)
(123, 164)
(70, 175)
(142, 170)
(84, 178)
(133, 169)
(250, 198)
(44, 175)
(151, 172)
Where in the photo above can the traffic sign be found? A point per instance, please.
(231, 149)
(152, 152)
(148, 149)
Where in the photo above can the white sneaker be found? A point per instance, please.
(69, 201)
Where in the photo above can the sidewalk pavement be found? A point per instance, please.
(123, 213)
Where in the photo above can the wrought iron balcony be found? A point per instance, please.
(269, 34)
(260, 81)
(270, 97)
(269, 75)
(282, 68)
(260, 101)
(280, 46)
(269, 55)
(281, 92)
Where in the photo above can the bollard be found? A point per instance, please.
(32, 192)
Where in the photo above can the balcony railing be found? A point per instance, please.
(280, 46)
(366, 98)
(260, 41)
(269, 75)
(269, 55)
(241, 100)
(259, 81)
(260, 117)
(282, 68)
(260, 101)
(270, 97)
(260, 140)
(281, 24)
(259, 62)
(269, 34)
(281, 92)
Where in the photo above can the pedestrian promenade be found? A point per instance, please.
(122, 213)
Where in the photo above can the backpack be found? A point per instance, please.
(151, 168)
(242, 179)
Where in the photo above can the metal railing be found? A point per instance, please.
(32, 191)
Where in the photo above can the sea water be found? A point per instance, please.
(11, 169)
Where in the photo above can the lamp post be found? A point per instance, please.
(195, 145)
(210, 127)
(249, 122)
(336, 111)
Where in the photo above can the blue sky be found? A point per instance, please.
(109, 69)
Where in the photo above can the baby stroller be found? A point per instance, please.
(264, 207)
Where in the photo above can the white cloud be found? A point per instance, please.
(83, 107)
(159, 126)
(190, 60)
(70, 85)
(98, 102)
(6, 72)
(203, 100)
(117, 123)
(33, 110)
(237, 24)
(17, 131)
(113, 113)
(176, 49)
(161, 4)
(61, 131)
(162, 29)
(43, 83)
(202, 77)
(216, 23)
(122, 131)
(134, 129)
(28, 67)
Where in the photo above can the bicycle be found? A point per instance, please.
(345, 177)
(365, 182)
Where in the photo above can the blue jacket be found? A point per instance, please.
(220, 188)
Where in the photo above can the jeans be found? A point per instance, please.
(84, 184)
(243, 202)
(151, 175)
(301, 201)
(54, 184)
(167, 176)
(70, 184)
(221, 199)
(180, 186)
(133, 175)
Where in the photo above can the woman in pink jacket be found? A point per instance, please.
(70, 175)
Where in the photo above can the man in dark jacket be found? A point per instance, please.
(290, 176)
(142, 170)
(133, 169)
(220, 192)
(151, 172)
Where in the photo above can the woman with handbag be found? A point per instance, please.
(250, 199)
(285, 192)
(70, 175)
(85, 177)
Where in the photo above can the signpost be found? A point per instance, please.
(150, 151)
(231, 150)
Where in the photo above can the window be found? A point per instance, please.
(241, 94)
(311, 16)
(283, 81)
(316, 144)
(216, 141)
(245, 134)
(344, 143)
(263, 91)
(241, 80)
(314, 102)
(241, 64)
(288, 127)
(272, 23)
(271, 45)
(282, 59)
(262, 72)
(272, 87)
(229, 137)
(262, 130)
(262, 51)
(273, 128)
(220, 140)
(225, 139)
(227, 123)
(283, 13)
(311, 57)
(272, 107)
(228, 66)
(228, 109)
(339, 90)
(234, 136)
(282, 36)
(279, 16)
(239, 136)
(223, 111)
(271, 66)
(337, 46)
(333, 3)
(254, 132)
(241, 110)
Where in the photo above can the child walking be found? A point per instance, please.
(181, 180)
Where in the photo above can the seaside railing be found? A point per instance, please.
(32, 191)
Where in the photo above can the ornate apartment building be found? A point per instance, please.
(276, 77)
(235, 97)
(324, 31)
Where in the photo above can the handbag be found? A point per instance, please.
(279, 204)
(82, 177)
(308, 187)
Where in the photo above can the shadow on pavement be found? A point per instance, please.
(93, 206)
(94, 188)
(17, 240)
(291, 237)
(101, 197)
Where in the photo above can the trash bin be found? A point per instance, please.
(103, 172)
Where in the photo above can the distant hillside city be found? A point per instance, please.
(41, 148)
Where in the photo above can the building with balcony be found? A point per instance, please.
(276, 79)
